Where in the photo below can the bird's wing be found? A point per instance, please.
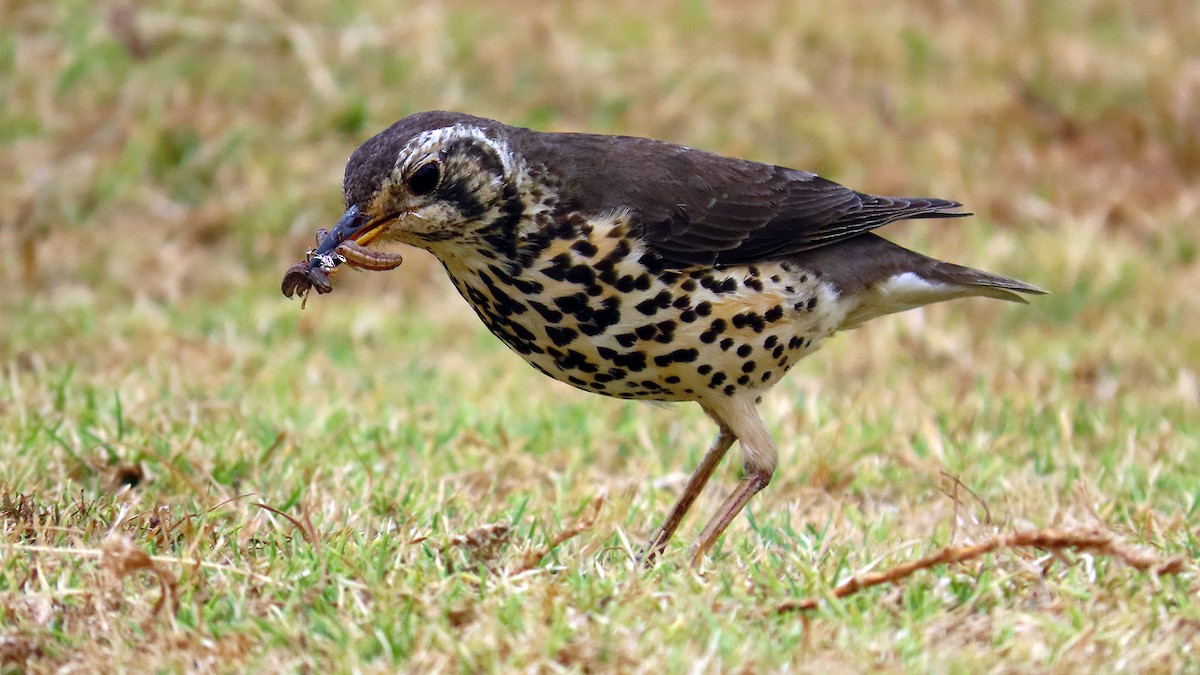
(696, 207)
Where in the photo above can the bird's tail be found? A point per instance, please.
(887, 278)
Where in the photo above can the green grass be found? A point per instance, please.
(158, 173)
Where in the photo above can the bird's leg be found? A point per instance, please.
(728, 510)
(759, 458)
(695, 485)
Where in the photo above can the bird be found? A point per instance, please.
(640, 269)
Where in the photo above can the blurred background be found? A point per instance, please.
(162, 163)
(171, 161)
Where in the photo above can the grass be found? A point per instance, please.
(318, 486)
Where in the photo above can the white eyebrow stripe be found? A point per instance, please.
(436, 138)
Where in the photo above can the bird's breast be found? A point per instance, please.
(595, 308)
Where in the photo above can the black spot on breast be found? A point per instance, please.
(729, 389)
(636, 363)
(651, 262)
(743, 380)
(550, 315)
(582, 275)
(527, 287)
(477, 297)
(603, 318)
(632, 361)
(561, 335)
(618, 252)
(503, 303)
(677, 356)
(646, 332)
(726, 344)
(770, 342)
(744, 351)
(572, 304)
(585, 248)
(774, 314)
(704, 369)
(749, 367)
(651, 305)
(687, 316)
(729, 285)
(520, 331)
(558, 267)
(812, 303)
(574, 360)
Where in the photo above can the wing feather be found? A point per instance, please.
(699, 208)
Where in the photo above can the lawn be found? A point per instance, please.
(197, 475)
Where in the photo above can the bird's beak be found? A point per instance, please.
(355, 226)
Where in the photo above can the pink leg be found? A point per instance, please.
(728, 510)
(695, 485)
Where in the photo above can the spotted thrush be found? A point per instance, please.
(640, 269)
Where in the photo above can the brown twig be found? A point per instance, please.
(305, 528)
(1093, 541)
(957, 483)
(122, 557)
(583, 523)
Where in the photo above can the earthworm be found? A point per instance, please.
(368, 259)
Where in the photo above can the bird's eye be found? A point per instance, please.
(425, 179)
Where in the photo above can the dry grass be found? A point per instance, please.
(194, 475)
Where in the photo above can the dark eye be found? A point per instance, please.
(425, 179)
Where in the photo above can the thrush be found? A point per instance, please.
(640, 269)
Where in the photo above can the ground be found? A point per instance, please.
(197, 475)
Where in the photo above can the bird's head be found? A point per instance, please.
(433, 179)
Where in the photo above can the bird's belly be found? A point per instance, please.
(619, 329)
